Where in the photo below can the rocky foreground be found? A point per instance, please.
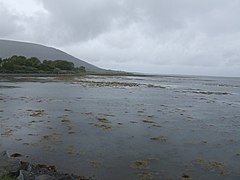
(12, 168)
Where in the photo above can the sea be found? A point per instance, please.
(125, 127)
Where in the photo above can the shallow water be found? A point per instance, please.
(164, 127)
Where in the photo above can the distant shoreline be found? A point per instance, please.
(65, 74)
(103, 74)
(35, 74)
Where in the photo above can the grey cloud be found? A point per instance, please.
(138, 34)
(8, 22)
(84, 20)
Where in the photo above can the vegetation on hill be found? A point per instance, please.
(22, 64)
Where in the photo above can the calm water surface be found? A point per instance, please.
(162, 127)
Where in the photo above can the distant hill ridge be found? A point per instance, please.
(9, 48)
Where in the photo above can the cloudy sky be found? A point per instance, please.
(152, 36)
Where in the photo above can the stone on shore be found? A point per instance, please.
(13, 168)
(8, 165)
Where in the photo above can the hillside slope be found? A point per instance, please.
(10, 48)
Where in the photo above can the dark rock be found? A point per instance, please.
(26, 175)
(26, 171)
(8, 165)
(20, 177)
(16, 155)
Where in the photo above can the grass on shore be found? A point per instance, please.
(7, 177)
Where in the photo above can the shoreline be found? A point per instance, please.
(11, 167)
(59, 75)
(36, 75)
(81, 74)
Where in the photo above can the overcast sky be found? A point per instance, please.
(151, 36)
